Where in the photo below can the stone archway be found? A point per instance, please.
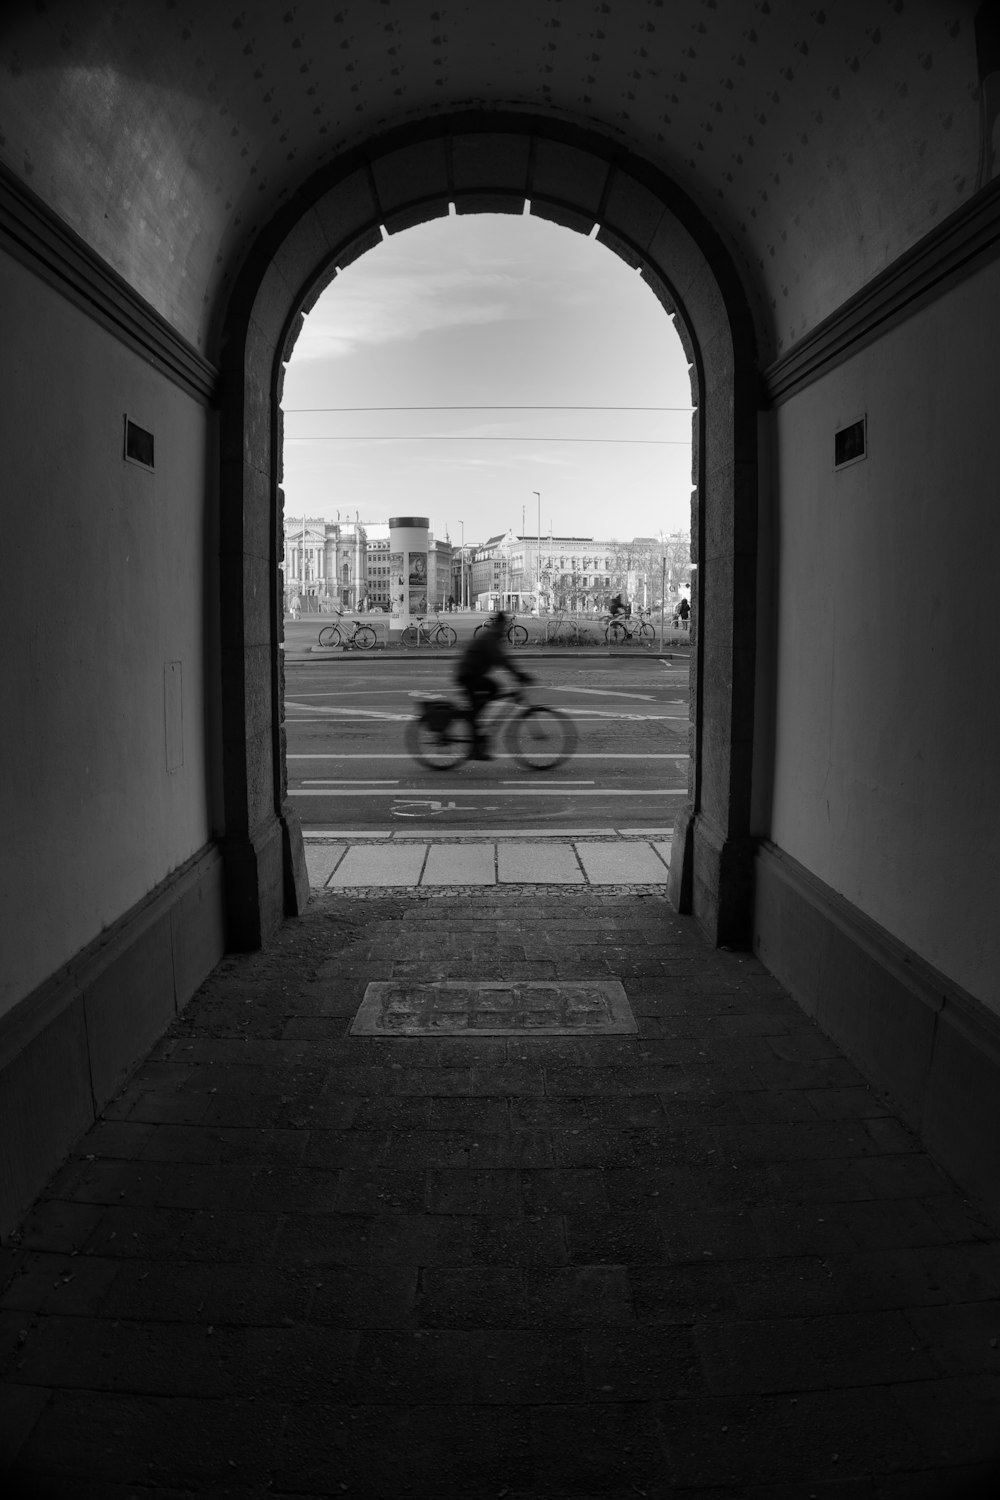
(486, 162)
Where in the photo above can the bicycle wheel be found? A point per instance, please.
(364, 637)
(616, 633)
(541, 738)
(438, 739)
(445, 636)
(409, 636)
(517, 635)
(329, 635)
(646, 635)
(478, 631)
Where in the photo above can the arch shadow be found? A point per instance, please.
(491, 162)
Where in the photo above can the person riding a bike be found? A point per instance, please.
(620, 606)
(474, 674)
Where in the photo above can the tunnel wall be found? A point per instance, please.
(109, 795)
(876, 883)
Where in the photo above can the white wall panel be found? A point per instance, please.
(108, 599)
(887, 736)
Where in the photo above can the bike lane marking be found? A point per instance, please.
(497, 755)
(433, 807)
(330, 715)
(600, 692)
(554, 789)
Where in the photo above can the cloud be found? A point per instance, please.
(454, 273)
(401, 306)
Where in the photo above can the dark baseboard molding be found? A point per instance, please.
(40, 240)
(961, 245)
(929, 1046)
(67, 1049)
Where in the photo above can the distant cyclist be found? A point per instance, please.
(620, 606)
(482, 656)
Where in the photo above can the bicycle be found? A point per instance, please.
(516, 634)
(362, 638)
(538, 737)
(620, 629)
(432, 633)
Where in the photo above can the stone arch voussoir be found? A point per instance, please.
(492, 163)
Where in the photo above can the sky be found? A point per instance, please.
(490, 311)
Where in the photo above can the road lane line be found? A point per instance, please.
(599, 692)
(465, 791)
(502, 755)
(334, 714)
(337, 716)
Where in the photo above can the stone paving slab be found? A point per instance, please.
(546, 864)
(475, 861)
(459, 864)
(622, 864)
(379, 865)
(322, 860)
(662, 850)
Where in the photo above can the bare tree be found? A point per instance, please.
(662, 565)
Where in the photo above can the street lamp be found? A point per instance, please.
(538, 555)
(461, 564)
(663, 579)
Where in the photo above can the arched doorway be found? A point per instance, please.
(496, 163)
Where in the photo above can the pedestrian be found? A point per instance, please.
(295, 606)
(683, 611)
(481, 657)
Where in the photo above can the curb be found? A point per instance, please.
(521, 653)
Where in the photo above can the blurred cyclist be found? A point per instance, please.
(474, 674)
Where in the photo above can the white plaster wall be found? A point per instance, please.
(887, 735)
(108, 575)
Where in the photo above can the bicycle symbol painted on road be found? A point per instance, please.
(433, 807)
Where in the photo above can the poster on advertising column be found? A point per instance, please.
(417, 582)
(397, 590)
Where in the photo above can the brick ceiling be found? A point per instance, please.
(821, 138)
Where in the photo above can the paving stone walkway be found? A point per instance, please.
(700, 1261)
(513, 860)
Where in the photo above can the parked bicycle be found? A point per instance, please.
(516, 634)
(430, 632)
(620, 629)
(538, 738)
(360, 636)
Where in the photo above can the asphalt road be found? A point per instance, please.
(349, 772)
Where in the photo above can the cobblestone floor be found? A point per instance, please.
(702, 1261)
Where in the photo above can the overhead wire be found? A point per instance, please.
(289, 409)
(393, 437)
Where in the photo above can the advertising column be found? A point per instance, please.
(408, 544)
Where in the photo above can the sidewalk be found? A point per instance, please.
(698, 1260)
(405, 860)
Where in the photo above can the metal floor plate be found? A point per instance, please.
(456, 1007)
